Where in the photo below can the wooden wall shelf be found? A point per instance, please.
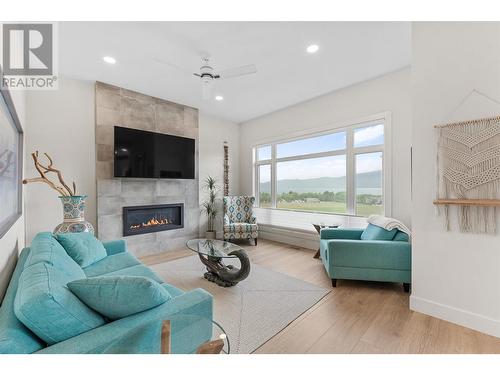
(469, 202)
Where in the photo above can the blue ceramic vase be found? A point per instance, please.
(74, 215)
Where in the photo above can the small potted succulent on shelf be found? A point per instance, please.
(73, 205)
(209, 206)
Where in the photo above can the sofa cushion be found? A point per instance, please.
(374, 233)
(139, 270)
(389, 255)
(45, 249)
(110, 264)
(119, 296)
(83, 247)
(15, 337)
(47, 307)
(240, 228)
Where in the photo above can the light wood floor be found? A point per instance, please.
(355, 317)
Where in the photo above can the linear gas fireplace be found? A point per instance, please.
(153, 218)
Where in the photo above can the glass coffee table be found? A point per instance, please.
(212, 254)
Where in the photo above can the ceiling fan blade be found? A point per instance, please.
(236, 72)
(207, 89)
(172, 65)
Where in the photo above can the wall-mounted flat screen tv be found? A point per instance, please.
(143, 154)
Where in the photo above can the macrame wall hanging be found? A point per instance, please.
(468, 172)
(226, 170)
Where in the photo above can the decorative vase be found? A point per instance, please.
(210, 235)
(74, 215)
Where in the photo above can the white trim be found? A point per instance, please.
(303, 157)
(350, 179)
(274, 181)
(387, 159)
(455, 315)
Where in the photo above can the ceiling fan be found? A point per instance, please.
(208, 75)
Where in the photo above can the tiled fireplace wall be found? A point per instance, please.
(120, 107)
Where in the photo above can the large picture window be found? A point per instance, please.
(338, 171)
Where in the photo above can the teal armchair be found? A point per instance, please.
(348, 254)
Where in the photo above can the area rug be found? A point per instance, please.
(255, 309)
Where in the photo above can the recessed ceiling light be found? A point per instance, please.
(109, 60)
(313, 48)
(219, 98)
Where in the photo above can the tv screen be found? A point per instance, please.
(143, 154)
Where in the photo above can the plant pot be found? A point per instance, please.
(210, 234)
(74, 215)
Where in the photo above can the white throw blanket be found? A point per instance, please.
(388, 223)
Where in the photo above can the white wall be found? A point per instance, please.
(60, 123)
(387, 93)
(213, 132)
(455, 276)
(13, 241)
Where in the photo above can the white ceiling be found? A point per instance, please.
(350, 52)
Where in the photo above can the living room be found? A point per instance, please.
(228, 187)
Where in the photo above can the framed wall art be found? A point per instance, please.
(11, 144)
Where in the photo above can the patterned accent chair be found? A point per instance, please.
(239, 221)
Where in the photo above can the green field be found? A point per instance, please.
(330, 207)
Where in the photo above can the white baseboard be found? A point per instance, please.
(294, 237)
(451, 314)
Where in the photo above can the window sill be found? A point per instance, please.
(302, 220)
(312, 212)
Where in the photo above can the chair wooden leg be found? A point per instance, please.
(256, 242)
(334, 283)
(406, 287)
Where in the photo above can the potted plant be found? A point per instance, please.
(209, 206)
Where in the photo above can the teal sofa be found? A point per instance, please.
(346, 255)
(73, 327)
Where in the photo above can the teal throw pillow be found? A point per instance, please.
(118, 296)
(401, 236)
(83, 247)
(374, 233)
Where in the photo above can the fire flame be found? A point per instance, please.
(150, 223)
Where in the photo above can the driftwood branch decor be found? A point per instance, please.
(468, 169)
(62, 188)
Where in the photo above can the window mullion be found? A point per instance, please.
(257, 185)
(350, 172)
(274, 181)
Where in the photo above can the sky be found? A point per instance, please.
(331, 166)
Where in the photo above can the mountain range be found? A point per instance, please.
(368, 180)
